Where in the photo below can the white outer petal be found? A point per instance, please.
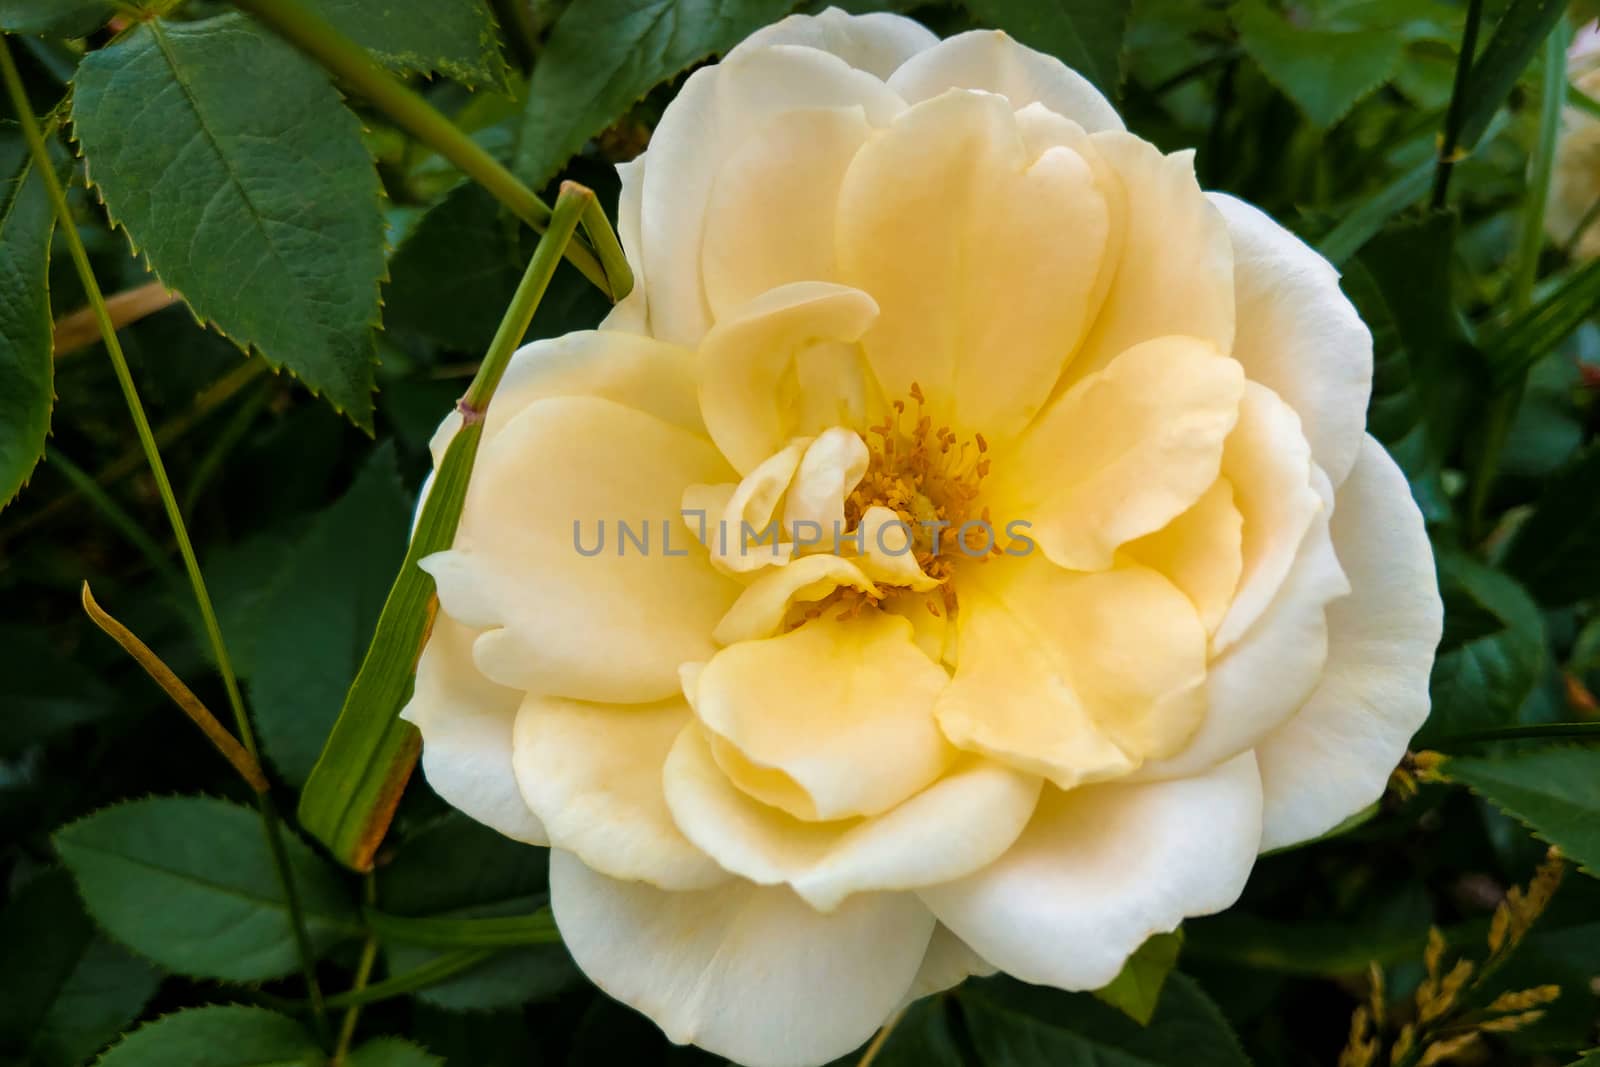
(1334, 757)
(466, 723)
(716, 109)
(1103, 867)
(744, 971)
(877, 43)
(992, 61)
(1298, 334)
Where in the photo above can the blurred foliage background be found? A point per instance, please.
(294, 386)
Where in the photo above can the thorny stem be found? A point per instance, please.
(169, 501)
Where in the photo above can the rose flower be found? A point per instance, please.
(962, 552)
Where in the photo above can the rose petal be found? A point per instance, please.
(466, 723)
(593, 773)
(949, 962)
(1267, 460)
(960, 823)
(609, 626)
(762, 608)
(1073, 676)
(1200, 551)
(1101, 868)
(832, 466)
(877, 43)
(1264, 679)
(748, 972)
(1299, 335)
(797, 160)
(783, 365)
(1122, 453)
(715, 111)
(1334, 757)
(957, 236)
(636, 372)
(1174, 269)
(993, 62)
(831, 720)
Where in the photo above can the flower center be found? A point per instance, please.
(931, 479)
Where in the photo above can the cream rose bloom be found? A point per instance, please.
(884, 282)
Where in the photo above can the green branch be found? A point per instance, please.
(1450, 141)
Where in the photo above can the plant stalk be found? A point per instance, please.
(1449, 142)
(1503, 407)
(169, 501)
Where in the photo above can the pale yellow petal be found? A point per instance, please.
(784, 365)
(1174, 270)
(762, 608)
(594, 773)
(797, 160)
(958, 824)
(1268, 462)
(609, 625)
(1122, 453)
(964, 242)
(1200, 551)
(831, 720)
(1077, 677)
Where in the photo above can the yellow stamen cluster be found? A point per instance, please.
(931, 479)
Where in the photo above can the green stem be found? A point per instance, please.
(1572, 730)
(572, 206)
(507, 931)
(84, 483)
(429, 974)
(169, 501)
(1503, 407)
(1453, 119)
(369, 956)
(314, 35)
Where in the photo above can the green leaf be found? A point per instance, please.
(1391, 931)
(457, 871)
(307, 633)
(1411, 263)
(189, 883)
(1556, 551)
(58, 18)
(1517, 36)
(922, 1038)
(1492, 654)
(457, 270)
(216, 1036)
(1086, 35)
(1360, 225)
(261, 207)
(27, 370)
(65, 991)
(1326, 67)
(1555, 792)
(603, 55)
(1014, 1025)
(1535, 334)
(44, 690)
(1136, 990)
(457, 38)
(393, 1052)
